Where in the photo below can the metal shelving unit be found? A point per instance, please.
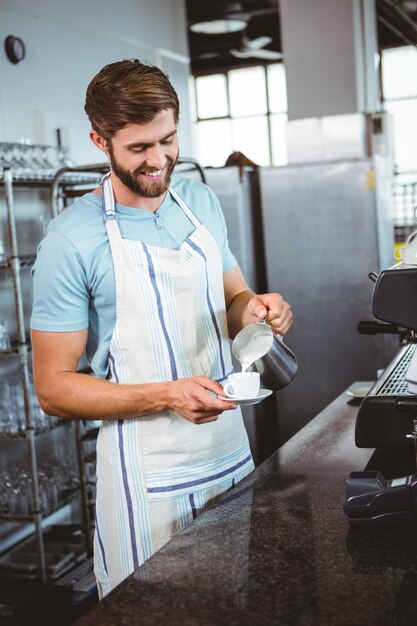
(22, 353)
(21, 350)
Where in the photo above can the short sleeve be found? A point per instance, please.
(60, 290)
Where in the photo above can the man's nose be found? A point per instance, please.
(155, 157)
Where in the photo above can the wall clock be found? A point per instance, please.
(15, 49)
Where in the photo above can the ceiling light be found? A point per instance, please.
(219, 27)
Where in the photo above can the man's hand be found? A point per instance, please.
(190, 398)
(273, 308)
(244, 307)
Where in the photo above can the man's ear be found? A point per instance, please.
(99, 141)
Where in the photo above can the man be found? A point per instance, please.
(139, 276)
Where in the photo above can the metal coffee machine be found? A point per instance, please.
(386, 414)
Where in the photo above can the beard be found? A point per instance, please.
(133, 181)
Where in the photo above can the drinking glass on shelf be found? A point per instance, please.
(4, 506)
(63, 158)
(3, 156)
(18, 407)
(44, 168)
(6, 415)
(7, 154)
(23, 494)
(24, 150)
(10, 493)
(13, 499)
(5, 344)
(43, 497)
(18, 162)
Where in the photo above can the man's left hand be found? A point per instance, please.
(273, 308)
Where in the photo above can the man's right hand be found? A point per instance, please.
(190, 398)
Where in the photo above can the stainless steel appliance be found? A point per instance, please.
(326, 225)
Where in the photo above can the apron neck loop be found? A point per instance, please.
(107, 198)
(193, 218)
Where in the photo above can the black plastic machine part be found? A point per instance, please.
(373, 501)
(368, 327)
(394, 298)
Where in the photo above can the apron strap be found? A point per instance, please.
(193, 219)
(107, 198)
(110, 217)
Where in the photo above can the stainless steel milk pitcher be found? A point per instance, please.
(275, 362)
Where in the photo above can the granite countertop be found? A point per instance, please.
(278, 550)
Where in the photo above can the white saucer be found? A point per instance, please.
(360, 388)
(263, 393)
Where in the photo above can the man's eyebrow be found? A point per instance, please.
(138, 144)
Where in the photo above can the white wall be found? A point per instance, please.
(67, 42)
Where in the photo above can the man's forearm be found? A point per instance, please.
(79, 396)
(237, 314)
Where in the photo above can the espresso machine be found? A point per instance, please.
(387, 416)
(387, 413)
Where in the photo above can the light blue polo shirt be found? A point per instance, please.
(73, 276)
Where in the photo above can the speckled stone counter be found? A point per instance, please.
(277, 550)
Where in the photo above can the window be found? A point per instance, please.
(399, 80)
(212, 96)
(247, 92)
(242, 110)
(404, 113)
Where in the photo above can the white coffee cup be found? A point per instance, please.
(408, 254)
(242, 385)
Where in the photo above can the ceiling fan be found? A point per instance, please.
(254, 48)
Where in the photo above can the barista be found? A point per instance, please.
(139, 276)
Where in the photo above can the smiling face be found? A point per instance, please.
(143, 156)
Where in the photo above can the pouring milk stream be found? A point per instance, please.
(258, 344)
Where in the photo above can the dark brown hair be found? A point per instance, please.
(128, 92)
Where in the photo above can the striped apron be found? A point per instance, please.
(156, 473)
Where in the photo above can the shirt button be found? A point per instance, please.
(159, 226)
